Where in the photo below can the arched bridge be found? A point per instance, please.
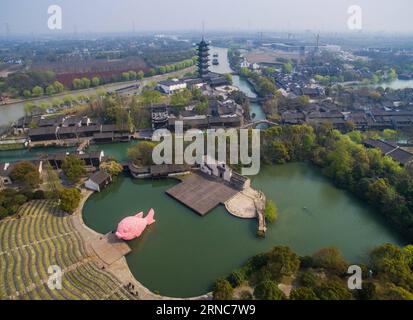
(258, 122)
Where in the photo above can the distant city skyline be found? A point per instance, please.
(110, 16)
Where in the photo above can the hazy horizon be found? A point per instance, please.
(109, 16)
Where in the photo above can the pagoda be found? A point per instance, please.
(203, 59)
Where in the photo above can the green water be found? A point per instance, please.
(117, 150)
(33, 154)
(182, 253)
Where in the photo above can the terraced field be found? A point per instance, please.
(43, 236)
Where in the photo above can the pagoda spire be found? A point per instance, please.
(203, 58)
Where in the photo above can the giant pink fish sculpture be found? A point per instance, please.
(132, 227)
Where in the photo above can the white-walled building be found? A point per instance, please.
(215, 168)
(171, 86)
(221, 170)
(98, 181)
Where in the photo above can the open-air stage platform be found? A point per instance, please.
(202, 193)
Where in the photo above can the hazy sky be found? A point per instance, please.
(27, 16)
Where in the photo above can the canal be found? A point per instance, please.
(256, 111)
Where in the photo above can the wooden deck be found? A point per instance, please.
(202, 193)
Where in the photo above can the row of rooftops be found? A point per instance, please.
(363, 120)
(218, 113)
(54, 121)
(390, 149)
(56, 132)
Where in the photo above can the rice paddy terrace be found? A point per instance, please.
(41, 236)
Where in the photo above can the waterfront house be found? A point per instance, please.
(158, 171)
(217, 169)
(98, 181)
(43, 133)
(51, 121)
(91, 159)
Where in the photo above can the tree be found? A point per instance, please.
(27, 93)
(29, 107)
(53, 183)
(393, 264)
(69, 199)
(77, 84)
(268, 290)
(331, 259)
(392, 75)
(393, 292)
(10, 202)
(110, 109)
(141, 153)
(73, 168)
(270, 211)
(150, 97)
(303, 294)
(202, 107)
(228, 76)
(236, 278)
(282, 262)
(390, 135)
(161, 70)
(112, 167)
(26, 173)
(50, 90)
(95, 81)
(181, 98)
(37, 91)
(140, 75)
(287, 67)
(123, 120)
(86, 83)
(303, 100)
(333, 289)
(279, 152)
(132, 75)
(58, 87)
(125, 76)
(141, 116)
(223, 290)
(151, 72)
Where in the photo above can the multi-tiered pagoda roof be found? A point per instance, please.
(203, 59)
